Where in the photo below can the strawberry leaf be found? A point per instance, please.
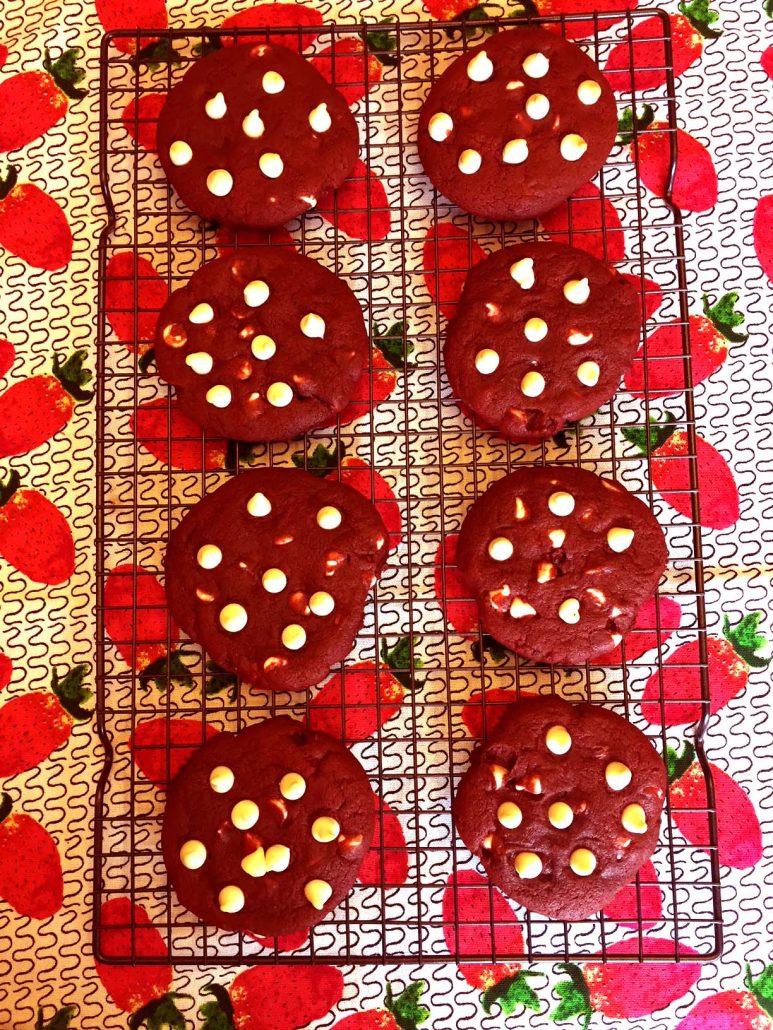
(630, 121)
(8, 180)
(207, 46)
(155, 54)
(218, 1014)
(769, 8)
(481, 12)
(72, 693)
(406, 1009)
(381, 44)
(401, 659)
(166, 670)
(762, 987)
(701, 17)
(393, 344)
(66, 73)
(219, 679)
(724, 317)
(158, 1013)
(746, 640)
(147, 359)
(9, 486)
(60, 1021)
(656, 432)
(490, 647)
(73, 376)
(511, 993)
(678, 764)
(574, 997)
(321, 460)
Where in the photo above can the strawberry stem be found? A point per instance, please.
(574, 995)
(401, 660)
(762, 987)
(677, 764)
(381, 44)
(210, 44)
(392, 343)
(218, 1014)
(66, 73)
(488, 646)
(511, 993)
(5, 806)
(724, 317)
(630, 121)
(656, 432)
(9, 486)
(769, 8)
(60, 1021)
(321, 460)
(219, 679)
(156, 53)
(166, 670)
(405, 1008)
(71, 692)
(485, 12)
(746, 640)
(158, 1013)
(73, 376)
(701, 17)
(8, 180)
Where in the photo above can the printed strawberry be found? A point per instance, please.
(6, 670)
(7, 356)
(33, 102)
(471, 911)
(131, 14)
(766, 60)
(670, 464)
(448, 255)
(401, 1012)
(137, 620)
(34, 725)
(739, 837)
(624, 990)
(278, 15)
(388, 357)
(578, 29)
(644, 51)
(259, 998)
(729, 660)
(30, 868)
(229, 239)
(593, 224)
(649, 291)
(34, 535)
(710, 337)
(484, 708)
(461, 612)
(643, 635)
(32, 225)
(359, 207)
(350, 66)
(59, 1021)
(735, 1010)
(448, 10)
(35, 409)
(153, 741)
(134, 295)
(354, 702)
(763, 233)
(174, 439)
(632, 905)
(140, 119)
(3, 54)
(288, 942)
(387, 861)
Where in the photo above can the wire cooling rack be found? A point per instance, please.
(415, 453)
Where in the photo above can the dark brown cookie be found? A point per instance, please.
(516, 125)
(265, 830)
(559, 561)
(562, 805)
(262, 344)
(542, 336)
(270, 573)
(253, 135)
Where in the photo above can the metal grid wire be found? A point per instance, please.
(416, 446)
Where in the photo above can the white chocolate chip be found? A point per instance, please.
(318, 893)
(520, 510)
(569, 611)
(440, 127)
(200, 362)
(231, 899)
(500, 548)
(577, 291)
(256, 293)
(558, 740)
(509, 815)
(313, 326)
(617, 775)
(321, 603)
(221, 779)
(546, 571)
(293, 637)
(254, 864)
(597, 595)
(328, 517)
(588, 373)
(220, 182)
(209, 556)
(309, 199)
(216, 107)
(469, 162)
(573, 147)
(589, 92)
(325, 829)
(263, 347)
(537, 106)
(634, 819)
(258, 505)
(193, 854)
(292, 786)
(271, 165)
(245, 814)
(279, 395)
(523, 273)
(531, 784)
(560, 815)
(274, 581)
(499, 774)
(480, 68)
(620, 539)
(201, 314)
(535, 330)
(528, 865)
(218, 396)
(233, 618)
(319, 118)
(252, 125)
(582, 862)
(273, 82)
(557, 537)
(616, 639)
(277, 858)
(532, 384)
(561, 503)
(515, 151)
(180, 153)
(520, 609)
(486, 361)
(536, 66)
(577, 339)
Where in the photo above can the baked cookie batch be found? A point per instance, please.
(265, 831)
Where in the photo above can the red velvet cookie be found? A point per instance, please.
(270, 574)
(562, 805)
(265, 830)
(262, 344)
(560, 561)
(253, 135)
(541, 337)
(516, 125)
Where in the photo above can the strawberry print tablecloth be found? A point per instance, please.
(50, 217)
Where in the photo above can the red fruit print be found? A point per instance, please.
(371, 484)
(583, 27)
(719, 502)
(710, 337)
(389, 356)
(229, 239)
(32, 225)
(471, 911)
(134, 296)
(350, 66)
(354, 702)
(359, 208)
(763, 233)
(260, 999)
(140, 119)
(34, 535)
(131, 14)
(152, 742)
(33, 102)
(632, 905)
(136, 616)
(161, 428)
(643, 635)
(729, 661)
(30, 868)
(6, 670)
(35, 409)
(388, 847)
(645, 53)
(7, 356)
(483, 709)
(649, 291)
(34, 725)
(290, 942)
(735, 1010)
(269, 16)
(448, 255)
(593, 225)
(3, 54)
(767, 61)
(739, 837)
(401, 1012)
(447, 10)
(460, 611)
